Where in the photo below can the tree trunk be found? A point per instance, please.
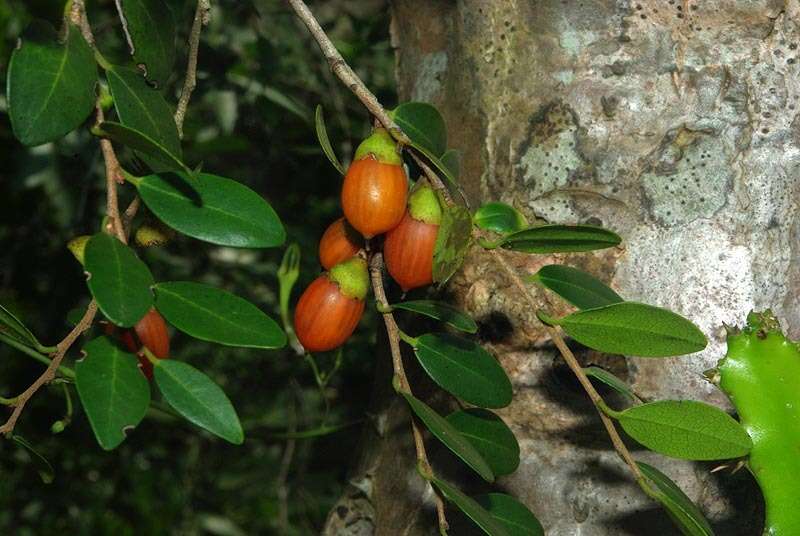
(673, 123)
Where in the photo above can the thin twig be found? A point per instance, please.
(65, 371)
(201, 17)
(393, 332)
(114, 177)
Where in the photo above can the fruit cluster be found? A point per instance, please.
(375, 201)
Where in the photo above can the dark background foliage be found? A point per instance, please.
(252, 119)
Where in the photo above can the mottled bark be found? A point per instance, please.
(675, 123)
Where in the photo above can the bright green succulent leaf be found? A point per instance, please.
(118, 280)
(452, 241)
(683, 512)
(158, 156)
(14, 328)
(490, 436)
(440, 311)
(450, 437)
(556, 238)
(451, 159)
(214, 315)
(477, 513)
(50, 85)
(464, 369)
(113, 391)
(424, 126)
(44, 468)
(512, 514)
(324, 141)
(686, 429)
(217, 210)
(150, 29)
(610, 380)
(634, 329)
(582, 290)
(201, 401)
(499, 218)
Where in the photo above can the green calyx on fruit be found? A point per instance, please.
(352, 277)
(382, 146)
(423, 204)
(77, 246)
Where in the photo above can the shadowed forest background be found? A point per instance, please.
(252, 119)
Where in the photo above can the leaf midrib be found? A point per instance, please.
(150, 118)
(472, 372)
(695, 431)
(59, 73)
(209, 311)
(219, 422)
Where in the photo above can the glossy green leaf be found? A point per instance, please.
(450, 437)
(561, 238)
(114, 393)
(512, 514)
(440, 311)
(158, 156)
(424, 126)
(143, 108)
(451, 159)
(686, 429)
(477, 513)
(14, 328)
(50, 85)
(610, 380)
(118, 280)
(217, 210)
(683, 512)
(499, 218)
(44, 468)
(582, 290)
(324, 142)
(490, 436)
(464, 369)
(150, 30)
(195, 396)
(634, 329)
(452, 241)
(214, 315)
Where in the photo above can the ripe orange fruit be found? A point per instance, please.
(339, 242)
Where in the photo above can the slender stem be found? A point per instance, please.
(401, 380)
(30, 352)
(114, 177)
(201, 17)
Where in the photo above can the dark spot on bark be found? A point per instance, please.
(495, 327)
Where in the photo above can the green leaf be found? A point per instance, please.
(684, 513)
(582, 290)
(118, 280)
(499, 218)
(424, 126)
(324, 142)
(113, 391)
(44, 468)
(227, 213)
(464, 369)
(452, 161)
(158, 155)
(195, 396)
(490, 436)
(686, 429)
(450, 437)
(477, 513)
(440, 311)
(512, 514)
(610, 380)
(452, 241)
(634, 329)
(150, 29)
(50, 85)
(143, 108)
(14, 328)
(560, 238)
(214, 315)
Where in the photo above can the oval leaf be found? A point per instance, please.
(158, 156)
(499, 218)
(582, 290)
(452, 241)
(512, 514)
(464, 369)
(610, 380)
(684, 513)
(477, 513)
(490, 436)
(113, 391)
(118, 280)
(14, 328)
(324, 142)
(451, 159)
(227, 212)
(448, 435)
(634, 329)
(440, 311)
(424, 126)
(212, 314)
(150, 31)
(192, 394)
(686, 429)
(50, 85)
(561, 238)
